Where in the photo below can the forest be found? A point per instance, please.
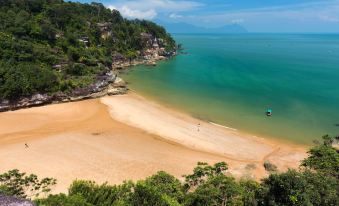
(49, 46)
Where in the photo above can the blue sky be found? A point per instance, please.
(255, 15)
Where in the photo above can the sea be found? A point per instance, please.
(232, 79)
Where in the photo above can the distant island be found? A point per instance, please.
(55, 51)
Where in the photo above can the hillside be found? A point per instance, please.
(50, 49)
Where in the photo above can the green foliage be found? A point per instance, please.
(202, 172)
(25, 79)
(15, 183)
(131, 55)
(217, 190)
(300, 188)
(323, 158)
(63, 200)
(166, 184)
(102, 194)
(145, 194)
(40, 34)
(251, 190)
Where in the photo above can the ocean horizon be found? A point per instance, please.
(231, 79)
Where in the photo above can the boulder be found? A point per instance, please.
(151, 63)
(119, 82)
(4, 107)
(116, 90)
(13, 201)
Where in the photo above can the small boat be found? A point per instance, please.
(269, 112)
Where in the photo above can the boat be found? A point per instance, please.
(269, 112)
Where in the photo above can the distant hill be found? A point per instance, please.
(188, 28)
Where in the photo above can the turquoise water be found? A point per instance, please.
(233, 79)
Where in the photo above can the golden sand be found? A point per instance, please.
(127, 137)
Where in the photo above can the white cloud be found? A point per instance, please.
(175, 16)
(148, 9)
(325, 11)
(164, 5)
(134, 13)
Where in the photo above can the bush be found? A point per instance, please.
(101, 194)
(217, 190)
(166, 184)
(270, 167)
(323, 158)
(62, 200)
(18, 184)
(24, 80)
(148, 195)
(300, 188)
(76, 69)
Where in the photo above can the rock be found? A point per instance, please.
(13, 201)
(59, 96)
(39, 99)
(117, 57)
(116, 90)
(119, 82)
(4, 107)
(161, 58)
(57, 66)
(151, 63)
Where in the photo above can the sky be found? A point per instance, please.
(276, 16)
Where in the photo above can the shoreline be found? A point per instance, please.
(274, 140)
(108, 83)
(154, 107)
(91, 140)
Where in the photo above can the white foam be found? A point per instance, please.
(219, 125)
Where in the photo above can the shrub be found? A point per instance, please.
(62, 200)
(18, 184)
(270, 167)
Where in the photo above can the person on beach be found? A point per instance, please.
(26, 145)
(198, 127)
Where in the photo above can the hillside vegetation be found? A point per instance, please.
(48, 46)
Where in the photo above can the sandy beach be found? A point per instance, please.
(128, 137)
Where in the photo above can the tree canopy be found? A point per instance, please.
(51, 45)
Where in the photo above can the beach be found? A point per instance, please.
(128, 137)
(232, 79)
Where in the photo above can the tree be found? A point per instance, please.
(149, 195)
(250, 188)
(131, 55)
(16, 183)
(323, 158)
(102, 194)
(45, 34)
(217, 190)
(299, 188)
(166, 184)
(63, 200)
(202, 172)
